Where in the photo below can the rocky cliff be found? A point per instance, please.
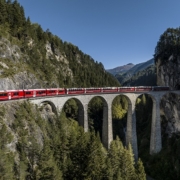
(14, 73)
(168, 75)
(168, 72)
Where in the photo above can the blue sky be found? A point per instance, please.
(114, 32)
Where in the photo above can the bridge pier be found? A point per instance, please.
(83, 116)
(131, 137)
(156, 141)
(107, 134)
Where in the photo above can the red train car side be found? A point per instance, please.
(29, 93)
(126, 89)
(40, 92)
(52, 92)
(144, 88)
(75, 90)
(15, 94)
(93, 90)
(4, 95)
(61, 91)
(110, 89)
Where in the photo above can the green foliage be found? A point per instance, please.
(165, 164)
(95, 115)
(119, 115)
(71, 109)
(64, 66)
(7, 157)
(143, 119)
(146, 77)
(168, 44)
(60, 150)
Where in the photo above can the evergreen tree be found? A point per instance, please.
(47, 168)
(3, 12)
(95, 159)
(115, 155)
(140, 170)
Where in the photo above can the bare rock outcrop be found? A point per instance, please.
(168, 72)
(170, 113)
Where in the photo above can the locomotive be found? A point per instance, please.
(33, 93)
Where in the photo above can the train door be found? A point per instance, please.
(9, 95)
(34, 93)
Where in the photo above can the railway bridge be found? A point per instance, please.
(83, 100)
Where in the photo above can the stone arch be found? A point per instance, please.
(52, 105)
(107, 121)
(149, 141)
(81, 112)
(131, 137)
(124, 125)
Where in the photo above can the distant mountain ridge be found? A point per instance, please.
(120, 69)
(140, 67)
(126, 72)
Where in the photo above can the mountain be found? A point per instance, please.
(145, 77)
(120, 69)
(123, 77)
(33, 58)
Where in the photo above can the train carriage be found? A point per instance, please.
(161, 88)
(92, 90)
(61, 91)
(39, 92)
(126, 89)
(29, 93)
(75, 90)
(4, 95)
(15, 94)
(143, 88)
(52, 92)
(110, 89)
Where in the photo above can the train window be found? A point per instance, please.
(16, 93)
(28, 92)
(41, 92)
(3, 94)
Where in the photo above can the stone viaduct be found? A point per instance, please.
(83, 100)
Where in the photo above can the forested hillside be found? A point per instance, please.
(37, 143)
(165, 164)
(27, 50)
(146, 77)
(138, 75)
(168, 46)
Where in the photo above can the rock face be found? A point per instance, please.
(16, 73)
(168, 73)
(21, 80)
(11, 66)
(170, 113)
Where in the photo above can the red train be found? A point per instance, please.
(32, 93)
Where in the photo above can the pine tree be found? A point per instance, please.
(47, 168)
(3, 12)
(115, 157)
(141, 175)
(128, 169)
(96, 158)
